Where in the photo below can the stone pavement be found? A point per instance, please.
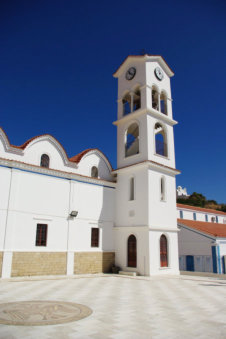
(125, 307)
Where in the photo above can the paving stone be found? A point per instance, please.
(125, 307)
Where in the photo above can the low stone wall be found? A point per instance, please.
(38, 263)
(93, 262)
(1, 258)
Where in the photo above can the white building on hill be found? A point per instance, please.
(77, 215)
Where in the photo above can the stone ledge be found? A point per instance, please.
(133, 274)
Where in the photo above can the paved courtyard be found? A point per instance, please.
(125, 307)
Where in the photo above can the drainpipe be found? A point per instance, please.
(7, 256)
(69, 255)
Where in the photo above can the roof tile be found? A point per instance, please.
(217, 230)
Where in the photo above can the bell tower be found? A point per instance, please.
(146, 222)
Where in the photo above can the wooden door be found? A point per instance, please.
(132, 251)
(163, 251)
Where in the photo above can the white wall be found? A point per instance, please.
(193, 243)
(94, 158)
(45, 199)
(121, 246)
(200, 216)
(161, 213)
(132, 213)
(154, 245)
(5, 179)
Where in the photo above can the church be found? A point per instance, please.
(65, 216)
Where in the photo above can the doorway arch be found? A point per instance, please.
(132, 251)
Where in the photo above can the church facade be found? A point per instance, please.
(78, 215)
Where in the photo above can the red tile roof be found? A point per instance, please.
(76, 158)
(195, 208)
(217, 230)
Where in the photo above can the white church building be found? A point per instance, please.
(78, 215)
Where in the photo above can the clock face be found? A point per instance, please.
(130, 74)
(159, 73)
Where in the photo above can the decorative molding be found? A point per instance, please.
(156, 114)
(150, 164)
(160, 229)
(56, 173)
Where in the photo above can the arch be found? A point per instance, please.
(94, 172)
(155, 97)
(136, 99)
(27, 146)
(132, 251)
(44, 161)
(163, 251)
(160, 140)
(127, 103)
(86, 153)
(132, 140)
(162, 188)
(163, 103)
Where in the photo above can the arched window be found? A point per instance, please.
(132, 251)
(162, 189)
(44, 161)
(94, 172)
(160, 140)
(155, 98)
(163, 251)
(163, 103)
(136, 100)
(131, 189)
(126, 101)
(132, 140)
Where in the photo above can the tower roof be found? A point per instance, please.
(145, 57)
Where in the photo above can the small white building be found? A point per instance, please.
(182, 192)
(78, 215)
(202, 239)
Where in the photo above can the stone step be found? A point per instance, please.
(133, 274)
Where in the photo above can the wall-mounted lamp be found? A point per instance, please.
(74, 214)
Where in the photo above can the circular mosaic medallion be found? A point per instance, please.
(33, 313)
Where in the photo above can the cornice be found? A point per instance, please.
(147, 228)
(152, 112)
(17, 165)
(150, 164)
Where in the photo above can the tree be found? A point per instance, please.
(195, 199)
(223, 208)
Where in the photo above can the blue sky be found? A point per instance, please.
(56, 65)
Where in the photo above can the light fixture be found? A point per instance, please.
(74, 214)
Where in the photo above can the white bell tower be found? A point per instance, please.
(146, 221)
